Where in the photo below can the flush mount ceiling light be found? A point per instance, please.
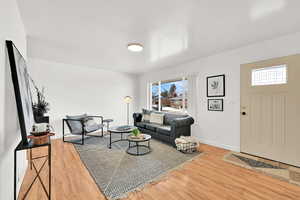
(135, 47)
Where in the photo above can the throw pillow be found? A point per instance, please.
(146, 111)
(146, 118)
(146, 115)
(157, 118)
(91, 125)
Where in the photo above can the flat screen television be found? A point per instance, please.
(21, 83)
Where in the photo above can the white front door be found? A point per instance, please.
(270, 109)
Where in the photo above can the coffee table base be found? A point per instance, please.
(138, 148)
(115, 130)
(111, 142)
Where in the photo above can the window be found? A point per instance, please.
(169, 96)
(155, 96)
(269, 75)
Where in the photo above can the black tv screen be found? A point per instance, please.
(21, 83)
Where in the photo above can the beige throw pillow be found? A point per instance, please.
(146, 118)
(157, 118)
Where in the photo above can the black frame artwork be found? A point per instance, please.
(221, 101)
(21, 84)
(223, 90)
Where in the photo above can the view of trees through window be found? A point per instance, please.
(155, 96)
(170, 96)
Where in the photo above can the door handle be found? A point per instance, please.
(244, 113)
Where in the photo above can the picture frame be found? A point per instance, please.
(215, 105)
(21, 85)
(215, 86)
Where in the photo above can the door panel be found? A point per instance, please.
(270, 127)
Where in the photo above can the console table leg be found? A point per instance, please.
(15, 174)
(30, 158)
(49, 165)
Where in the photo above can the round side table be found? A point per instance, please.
(138, 149)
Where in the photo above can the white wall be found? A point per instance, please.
(222, 128)
(11, 28)
(73, 90)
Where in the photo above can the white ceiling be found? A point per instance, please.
(96, 32)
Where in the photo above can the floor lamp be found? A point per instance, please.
(128, 100)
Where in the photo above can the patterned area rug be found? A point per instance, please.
(118, 173)
(275, 169)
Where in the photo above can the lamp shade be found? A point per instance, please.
(128, 99)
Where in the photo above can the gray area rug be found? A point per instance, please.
(117, 173)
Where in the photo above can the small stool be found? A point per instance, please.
(107, 121)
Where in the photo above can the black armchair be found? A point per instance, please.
(82, 125)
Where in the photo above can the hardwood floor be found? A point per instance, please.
(70, 178)
(206, 178)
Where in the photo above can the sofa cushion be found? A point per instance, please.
(141, 124)
(157, 118)
(76, 127)
(152, 126)
(170, 117)
(165, 130)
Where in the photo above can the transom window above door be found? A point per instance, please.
(269, 75)
(169, 95)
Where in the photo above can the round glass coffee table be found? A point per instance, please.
(138, 149)
(119, 130)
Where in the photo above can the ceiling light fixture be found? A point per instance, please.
(135, 47)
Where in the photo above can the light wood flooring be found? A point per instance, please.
(207, 177)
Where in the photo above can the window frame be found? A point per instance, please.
(159, 83)
(274, 83)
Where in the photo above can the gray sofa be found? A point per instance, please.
(174, 126)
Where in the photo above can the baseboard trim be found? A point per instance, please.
(216, 144)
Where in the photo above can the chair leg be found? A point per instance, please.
(63, 130)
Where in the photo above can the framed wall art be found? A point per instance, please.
(21, 83)
(215, 86)
(215, 105)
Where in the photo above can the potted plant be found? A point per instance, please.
(41, 106)
(136, 132)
